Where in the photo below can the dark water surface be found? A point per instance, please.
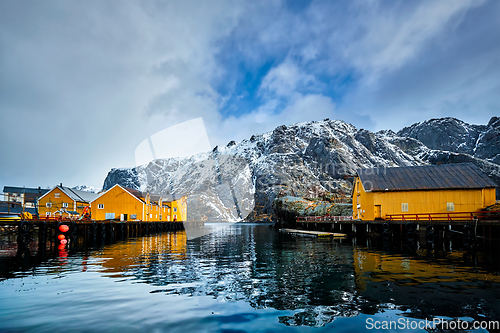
(244, 278)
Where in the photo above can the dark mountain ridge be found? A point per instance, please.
(310, 160)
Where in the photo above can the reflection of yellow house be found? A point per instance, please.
(64, 201)
(131, 205)
(374, 267)
(124, 256)
(446, 188)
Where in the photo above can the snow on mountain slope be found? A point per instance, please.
(241, 180)
(310, 159)
(451, 134)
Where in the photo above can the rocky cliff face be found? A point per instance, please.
(450, 134)
(306, 160)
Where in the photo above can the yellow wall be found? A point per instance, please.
(179, 209)
(119, 201)
(153, 212)
(430, 201)
(57, 203)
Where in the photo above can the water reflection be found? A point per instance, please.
(313, 281)
(324, 279)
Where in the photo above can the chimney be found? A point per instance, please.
(60, 184)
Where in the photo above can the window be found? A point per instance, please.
(100, 206)
(450, 206)
(404, 207)
(48, 204)
(175, 209)
(150, 216)
(47, 214)
(160, 217)
(57, 195)
(65, 205)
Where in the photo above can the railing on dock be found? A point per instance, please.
(325, 218)
(451, 216)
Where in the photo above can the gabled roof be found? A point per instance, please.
(136, 194)
(16, 189)
(166, 197)
(75, 195)
(428, 177)
(78, 195)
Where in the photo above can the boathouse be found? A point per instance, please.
(128, 204)
(64, 202)
(379, 193)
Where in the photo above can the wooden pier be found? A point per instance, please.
(314, 233)
(471, 226)
(47, 234)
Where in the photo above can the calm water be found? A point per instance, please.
(244, 278)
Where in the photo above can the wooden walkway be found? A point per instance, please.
(314, 233)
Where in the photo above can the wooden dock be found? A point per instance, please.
(314, 233)
(49, 234)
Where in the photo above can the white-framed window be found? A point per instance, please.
(47, 214)
(404, 207)
(48, 204)
(160, 217)
(156, 216)
(450, 207)
(57, 195)
(175, 209)
(100, 206)
(65, 205)
(150, 216)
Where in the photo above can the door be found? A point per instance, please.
(378, 212)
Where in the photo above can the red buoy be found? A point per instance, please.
(63, 241)
(61, 237)
(63, 228)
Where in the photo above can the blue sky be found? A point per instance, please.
(83, 83)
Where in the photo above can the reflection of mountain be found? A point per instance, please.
(319, 279)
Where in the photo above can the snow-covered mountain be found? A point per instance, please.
(86, 188)
(309, 160)
(450, 134)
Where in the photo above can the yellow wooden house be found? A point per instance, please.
(64, 202)
(430, 189)
(127, 204)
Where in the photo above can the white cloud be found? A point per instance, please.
(285, 79)
(94, 79)
(266, 118)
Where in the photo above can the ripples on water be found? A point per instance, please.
(242, 278)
